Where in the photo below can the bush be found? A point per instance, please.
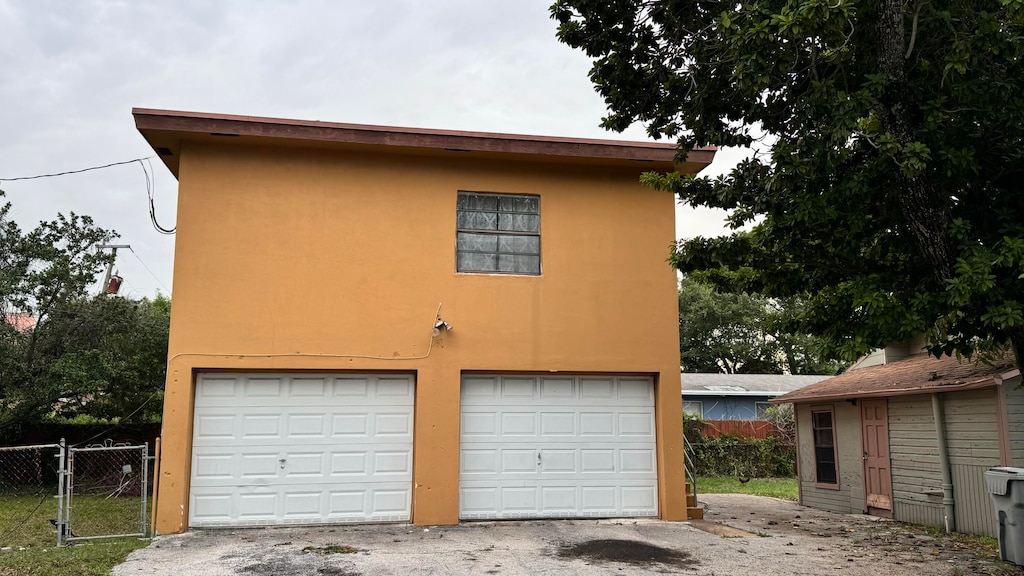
(744, 457)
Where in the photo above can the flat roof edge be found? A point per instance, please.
(147, 119)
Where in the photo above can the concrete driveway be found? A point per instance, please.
(743, 535)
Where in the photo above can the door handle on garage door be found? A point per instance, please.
(538, 457)
(282, 461)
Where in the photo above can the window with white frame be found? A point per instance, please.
(497, 233)
(693, 408)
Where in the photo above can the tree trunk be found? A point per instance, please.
(1017, 343)
(923, 210)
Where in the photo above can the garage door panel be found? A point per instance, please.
(599, 388)
(254, 465)
(261, 426)
(638, 498)
(518, 388)
(599, 499)
(519, 424)
(474, 502)
(306, 426)
(293, 449)
(558, 424)
(557, 461)
(519, 499)
(298, 390)
(393, 424)
(597, 461)
(213, 466)
(636, 424)
(639, 389)
(637, 461)
(314, 465)
(559, 498)
(597, 424)
(556, 388)
(518, 461)
(482, 461)
(562, 446)
(215, 427)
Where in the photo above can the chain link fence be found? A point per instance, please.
(29, 476)
(107, 492)
(54, 493)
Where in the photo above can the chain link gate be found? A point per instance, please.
(106, 493)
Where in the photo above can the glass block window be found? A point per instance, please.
(497, 233)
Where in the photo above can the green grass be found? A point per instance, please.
(25, 528)
(784, 488)
(25, 518)
(85, 559)
(32, 513)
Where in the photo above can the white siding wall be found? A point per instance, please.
(972, 430)
(914, 456)
(973, 443)
(972, 437)
(1015, 420)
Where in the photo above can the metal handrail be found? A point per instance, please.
(691, 468)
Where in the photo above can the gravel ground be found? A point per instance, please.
(742, 535)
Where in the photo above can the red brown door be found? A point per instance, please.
(877, 477)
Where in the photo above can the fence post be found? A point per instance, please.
(61, 469)
(156, 485)
(145, 478)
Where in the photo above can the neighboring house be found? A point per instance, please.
(736, 396)
(20, 321)
(907, 436)
(395, 324)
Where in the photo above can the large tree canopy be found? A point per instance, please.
(892, 193)
(743, 334)
(63, 353)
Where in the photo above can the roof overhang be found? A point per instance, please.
(165, 130)
(706, 393)
(910, 391)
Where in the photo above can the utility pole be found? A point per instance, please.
(110, 265)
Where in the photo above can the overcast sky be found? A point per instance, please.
(73, 69)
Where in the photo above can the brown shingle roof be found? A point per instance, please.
(918, 374)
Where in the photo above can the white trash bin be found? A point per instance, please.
(1006, 485)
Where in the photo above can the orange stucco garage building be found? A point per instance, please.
(389, 324)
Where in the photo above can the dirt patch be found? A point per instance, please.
(626, 552)
(331, 571)
(330, 549)
(863, 542)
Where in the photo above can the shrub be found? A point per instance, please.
(744, 457)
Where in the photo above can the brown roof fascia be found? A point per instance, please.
(793, 399)
(997, 380)
(149, 121)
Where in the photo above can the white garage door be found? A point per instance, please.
(301, 449)
(557, 447)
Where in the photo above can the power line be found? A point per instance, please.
(150, 189)
(75, 171)
(148, 269)
(121, 420)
